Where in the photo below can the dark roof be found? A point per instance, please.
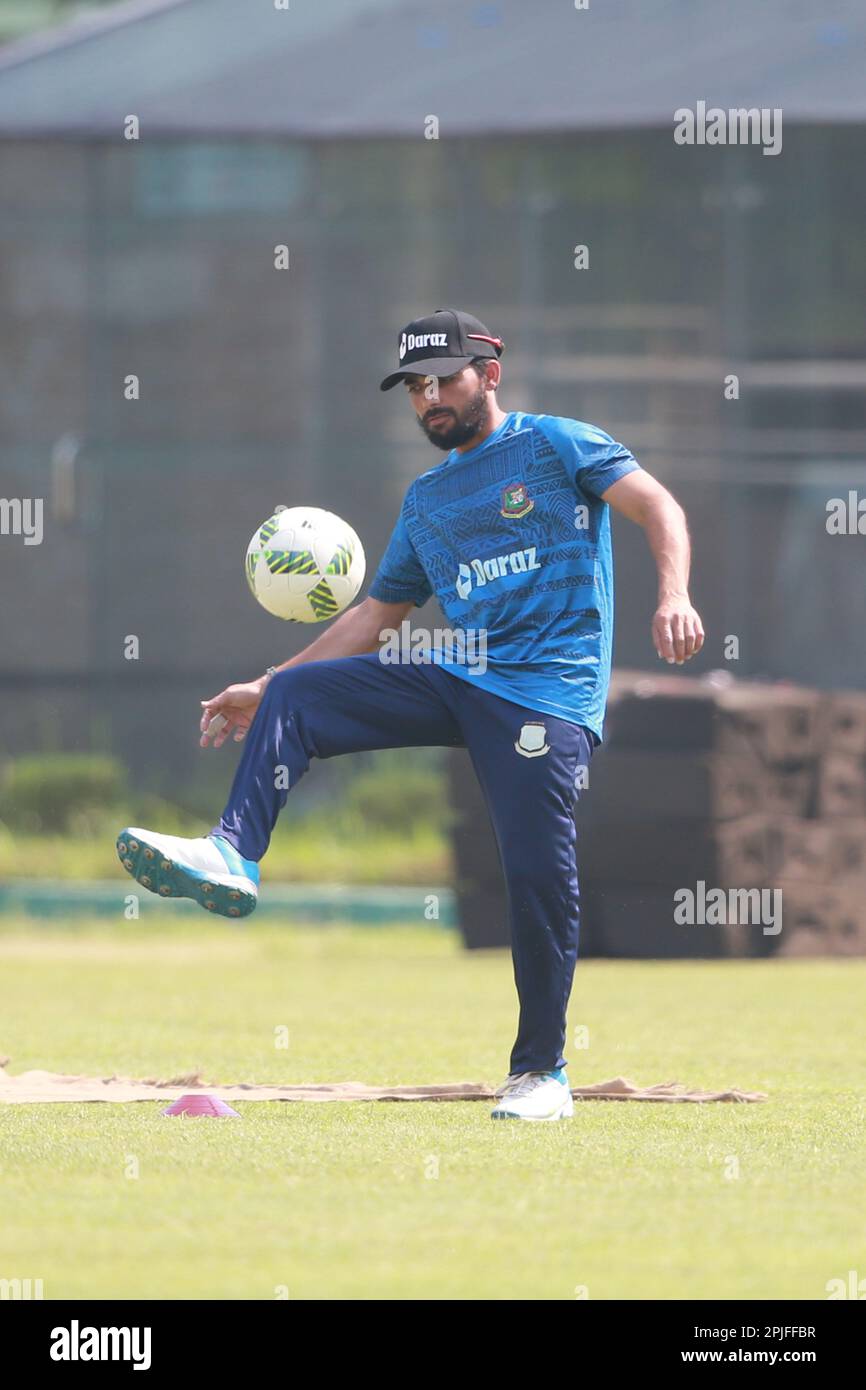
(354, 68)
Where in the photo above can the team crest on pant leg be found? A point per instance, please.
(516, 500)
(532, 740)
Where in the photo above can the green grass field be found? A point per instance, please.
(424, 1200)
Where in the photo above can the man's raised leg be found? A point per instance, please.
(317, 709)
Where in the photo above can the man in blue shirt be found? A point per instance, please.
(513, 538)
(511, 532)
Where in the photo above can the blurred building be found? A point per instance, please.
(308, 127)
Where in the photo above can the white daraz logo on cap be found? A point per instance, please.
(412, 341)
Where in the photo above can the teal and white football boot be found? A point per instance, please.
(534, 1095)
(208, 870)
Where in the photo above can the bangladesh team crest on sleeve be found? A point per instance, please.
(516, 500)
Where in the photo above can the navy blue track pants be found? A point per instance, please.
(527, 763)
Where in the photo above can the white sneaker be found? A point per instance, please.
(209, 870)
(534, 1095)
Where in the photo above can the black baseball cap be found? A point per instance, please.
(440, 344)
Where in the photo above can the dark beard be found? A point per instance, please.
(461, 428)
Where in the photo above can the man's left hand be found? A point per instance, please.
(678, 633)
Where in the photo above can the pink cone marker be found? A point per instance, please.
(200, 1105)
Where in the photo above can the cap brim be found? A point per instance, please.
(434, 366)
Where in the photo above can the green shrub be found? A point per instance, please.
(58, 792)
(395, 798)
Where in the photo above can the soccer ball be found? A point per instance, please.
(304, 564)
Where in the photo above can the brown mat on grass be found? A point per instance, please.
(40, 1087)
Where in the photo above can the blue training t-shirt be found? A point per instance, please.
(513, 538)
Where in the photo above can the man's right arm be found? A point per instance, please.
(355, 631)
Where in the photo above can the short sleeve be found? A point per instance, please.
(592, 459)
(400, 576)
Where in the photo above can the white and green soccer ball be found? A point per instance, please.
(305, 564)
